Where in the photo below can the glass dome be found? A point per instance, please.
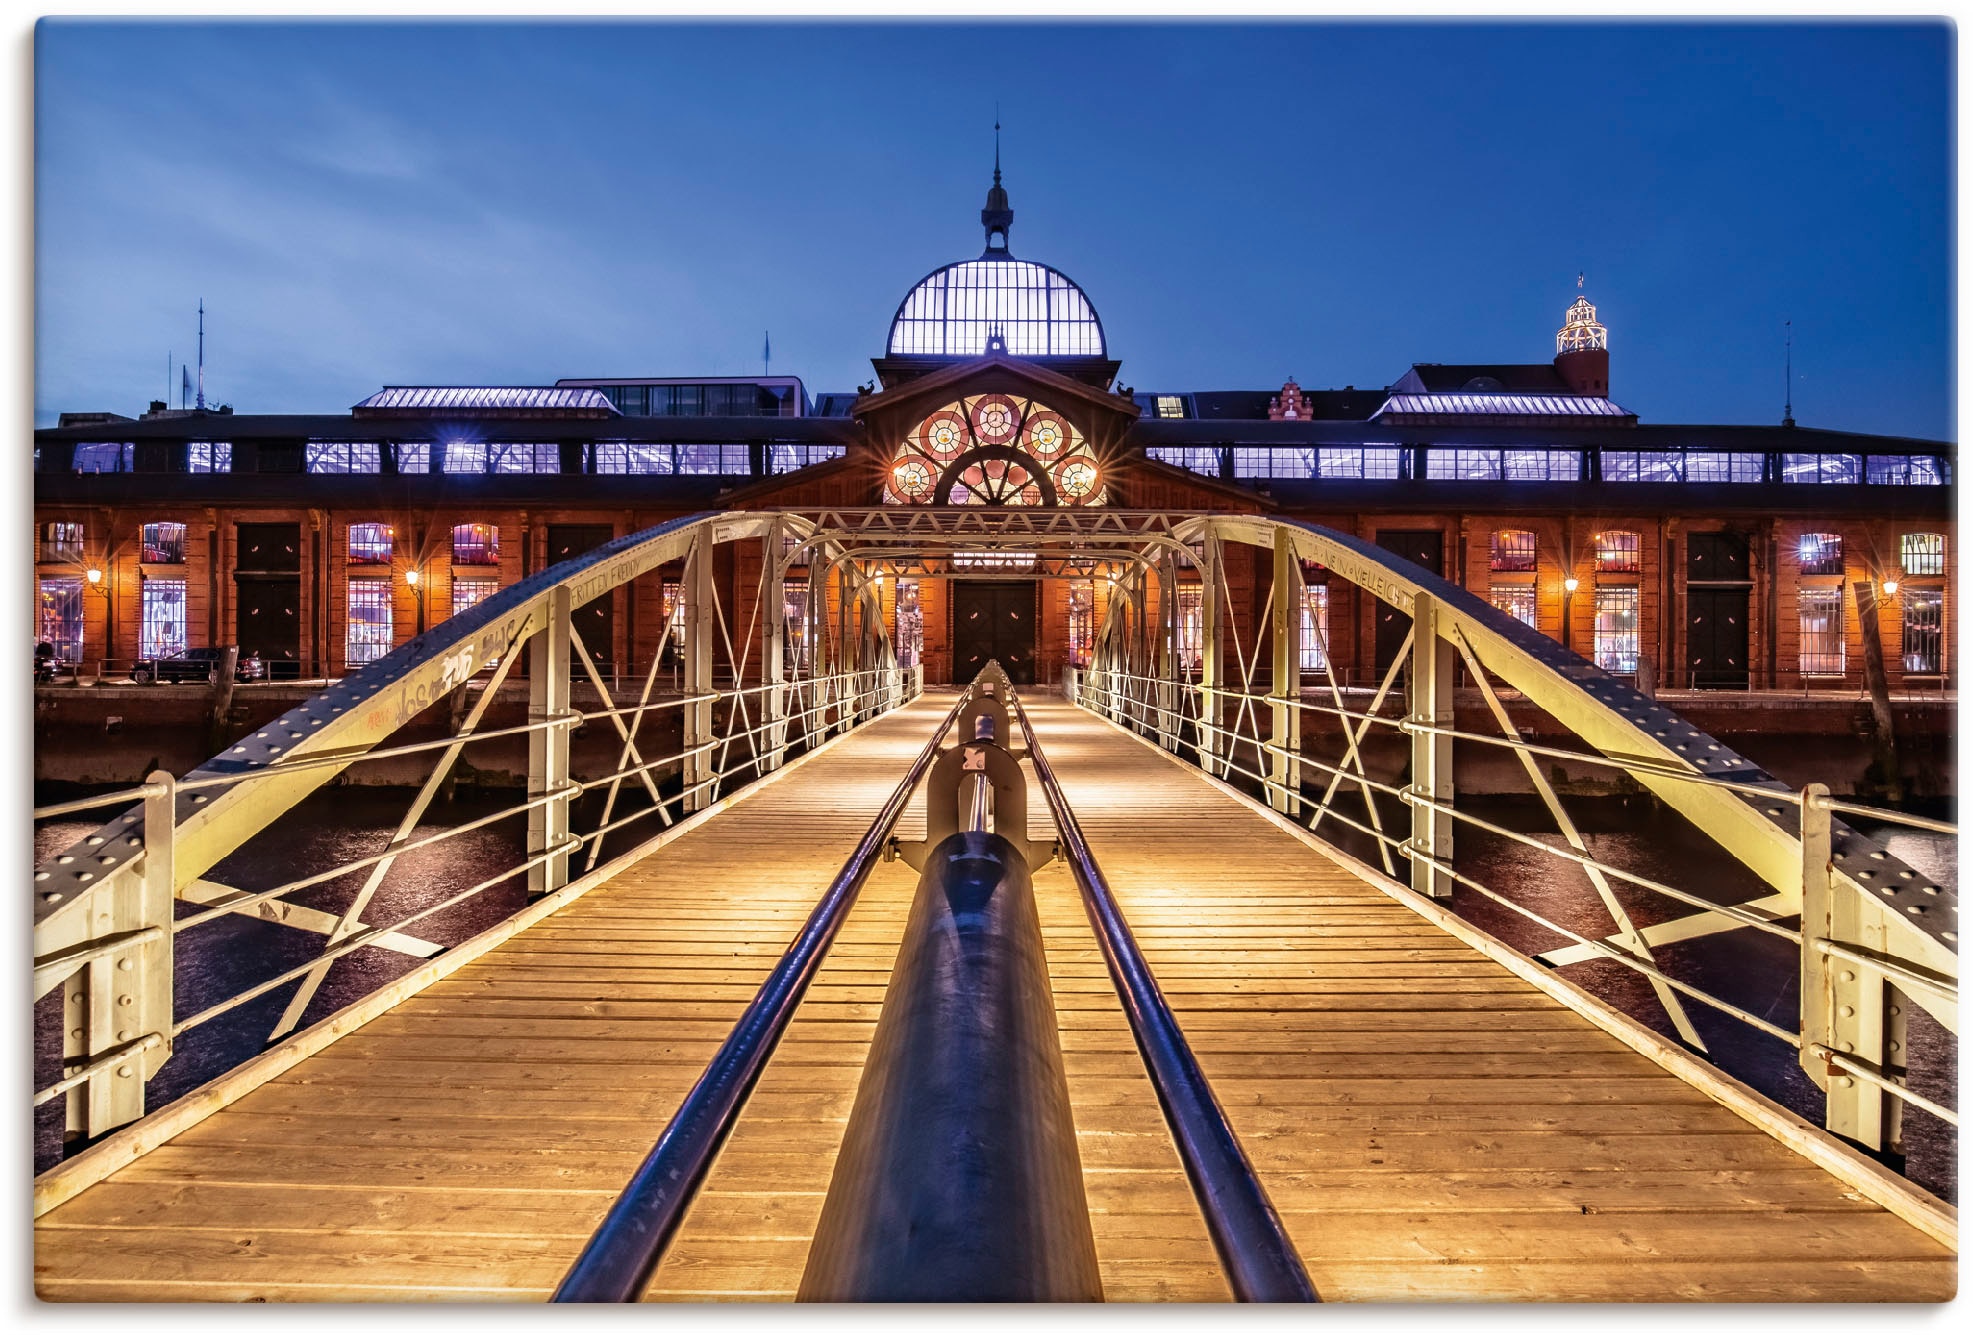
(1034, 310)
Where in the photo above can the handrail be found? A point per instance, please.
(1259, 1258)
(624, 1251)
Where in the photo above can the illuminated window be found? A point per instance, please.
(369, 543)
(714, 460)
(475, 545)
(1511, 549)
(1517, 600)
(1616, 629)
(470, 593)
(1191, 627)
(1616, 553)
(58, 616)
(369, 633)
(1924, 631)
(671, 598)
(1278, 461)
(1821, 553)
(1682, 466)
(633, 457)
(346, 456)
(415, 457)
(1082, 621)
(1923, 553)
(162, 630)
(909, 641)
(464, 456)
(1907, 470)
(1035, 311)
(1315, 627)
(1368, 461)
(787, 458)
(1170, 405)
(794, 615)
(535, 458)
(61, 541)
(209, 456)
(1832, 468)
(1192, 458)
(164, 544)
(1480, 465)
(105, 457)
(1822, 649)
(994, 449)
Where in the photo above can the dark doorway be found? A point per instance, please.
(594, 621)
(1717, 595)
(993, 620)
(1423, 546)
(269, 622)
(267, 584)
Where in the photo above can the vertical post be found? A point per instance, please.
(1140, 648)
(700, 632)
(773, 746)
(1284, 767)
(549, 697)
(1883, 732)
(1430, 687)
(1167, 665)
(1845, 1006)
(1210, 648)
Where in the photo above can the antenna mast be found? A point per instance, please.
(202, 355)
(1788, 374)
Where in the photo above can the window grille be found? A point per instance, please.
(105, 457)
(787, 458)
(1511, 549)
(1368, 461)
(1616, 629)
(1517, 600)
(1191, 627)
(1924, 631)
(534, 458)
(475, 545)
(58, 616)
(910, 620)
(1477, 465)
(61, 541)
(470, 593)
(1907, 470)
(633, 458)
(369, 635)
(1617, 553)
(1283, 462)
(1820, 553)
(344, 456)
(1033, 309)
(415, 457)
(794, 616)
(1831, 468)
(1082, 621)
(1193, 458)
(1682, 466)
(209, 456)
(162, 630)
(714, 459)
(465, 456)
(164, 544)
(1923, 553)
(369, 543)
(1822, 649)
(1170, 405)
(1315, 627)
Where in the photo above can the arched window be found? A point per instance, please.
(1511, 549)
(1923, 553)
(1821, 553)
(994, 449)
(369, 544)
(475, 545)
(1617, 552)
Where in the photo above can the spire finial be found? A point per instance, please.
(1579, 280)
(1788, 375)
(998, 215)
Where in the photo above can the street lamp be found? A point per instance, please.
(411, 577)
(1891, 585)
(1569, 586)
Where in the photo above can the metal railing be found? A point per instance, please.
(107, 922)
(1877, 937)
(1259, 1258)
(626, 1248)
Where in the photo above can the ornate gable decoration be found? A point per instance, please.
(994, 449)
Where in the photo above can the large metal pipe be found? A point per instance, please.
(959, 1179)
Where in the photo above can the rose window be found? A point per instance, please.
(994, 449)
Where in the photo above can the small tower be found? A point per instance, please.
(1288, 405)
(998, 215)
(1582, 349)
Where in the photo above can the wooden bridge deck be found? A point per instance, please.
(1430, 1126)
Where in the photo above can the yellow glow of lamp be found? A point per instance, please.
(1891, 586)
(411, 578)
(95, 575)
(1571, 584)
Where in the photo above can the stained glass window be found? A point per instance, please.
(994, 449)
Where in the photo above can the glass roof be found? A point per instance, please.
(1502, 405)
(1034, 309)
(488, 396)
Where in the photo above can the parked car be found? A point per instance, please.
(197, 665)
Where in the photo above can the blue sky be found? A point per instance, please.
(362, 203)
